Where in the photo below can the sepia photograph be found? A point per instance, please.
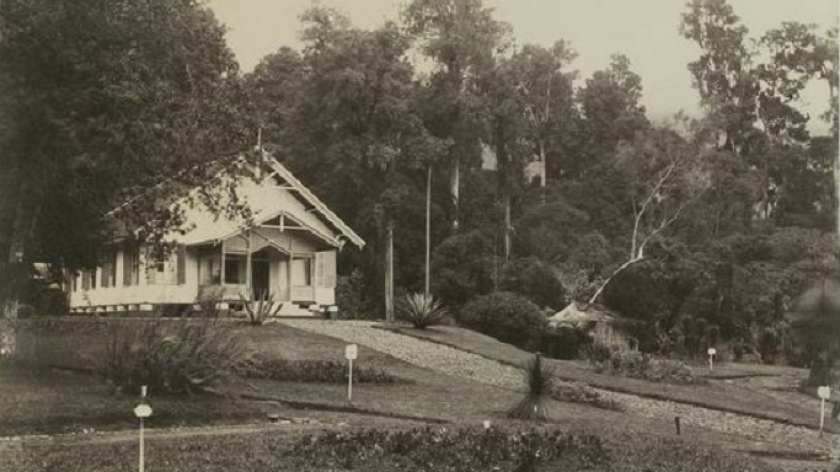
(419, 235)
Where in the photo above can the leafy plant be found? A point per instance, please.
(262, 309)
(169, 356)
(421, 311)
(645, 366)
(507, 317)
(538, 380)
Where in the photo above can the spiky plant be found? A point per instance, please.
(538, 382)
(421, 311)
(262, 309)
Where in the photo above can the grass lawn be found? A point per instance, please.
(719, 393)
(47, 400)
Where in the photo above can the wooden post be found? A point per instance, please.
(248, 281)
(428, 229)
(389, 273)
(677, 424)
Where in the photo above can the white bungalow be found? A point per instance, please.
(288, 252)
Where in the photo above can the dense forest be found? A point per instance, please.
(544, 183)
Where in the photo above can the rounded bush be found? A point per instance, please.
(507, 317)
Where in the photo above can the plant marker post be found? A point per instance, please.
(712, 352)
(824, 393)
(351, 352)
(142, 411)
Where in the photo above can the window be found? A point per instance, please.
(131, 267)
(235, 269)
(210, 270)
(109, 269)
(302, 271)
(93, 279)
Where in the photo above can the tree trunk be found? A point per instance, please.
(508, 226)
(455, 189)
(619, 270)
(389, 272)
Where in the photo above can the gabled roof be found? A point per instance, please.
(310, 197)
(277, 193)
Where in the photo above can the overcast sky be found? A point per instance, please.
(646, 31)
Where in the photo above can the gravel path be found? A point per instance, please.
(460, 363)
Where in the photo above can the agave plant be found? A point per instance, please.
(262, 309)
(421, 311)
(539, 383)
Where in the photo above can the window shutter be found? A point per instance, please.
(329, 269)
(182, 264)
(151, 268)
(85, 281)
(319, 269)
(104, 273)
(128, 263)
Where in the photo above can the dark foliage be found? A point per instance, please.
(507, 317)
(535, 280)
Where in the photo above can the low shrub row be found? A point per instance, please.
(444, 449)
(642, 366)
(310, 371)
(576, 392)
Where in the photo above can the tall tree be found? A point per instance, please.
(351, 132)
(462, 37)
(611, 114)
(101, 99)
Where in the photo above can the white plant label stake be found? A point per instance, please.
(142, 411)
(351, 352)
(712, 352)
(824, 393)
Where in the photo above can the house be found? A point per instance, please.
(600, 325)
(287, 249)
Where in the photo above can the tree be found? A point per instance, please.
(100, 100)
(611, 114)
(344, 115)
(665, 176)
(816, 319)
(462, 37)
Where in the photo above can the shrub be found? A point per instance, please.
(421, 311)
(646, 367)
(311, 371)
(25, 311)
(538, 381)
(444, 449)
(169, 356)
(575, 392)
(259, 311)
(565, 342)
(535, 280)
(349, 291)
(507, 317)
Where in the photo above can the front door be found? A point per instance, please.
(259, 279)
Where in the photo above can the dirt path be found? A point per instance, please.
(464, 364)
